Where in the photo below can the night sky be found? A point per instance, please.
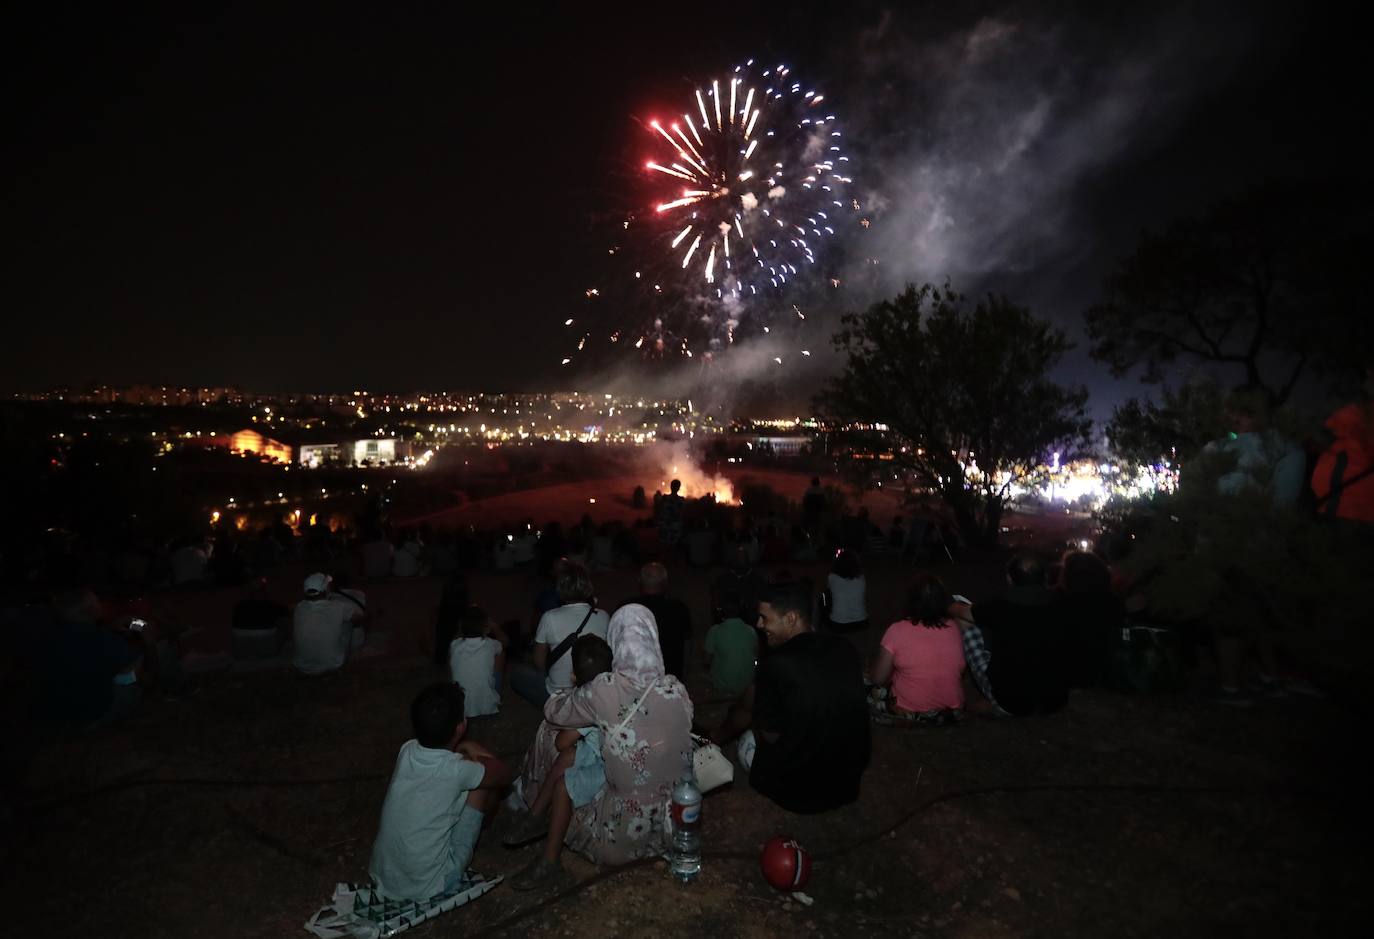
(345, 198)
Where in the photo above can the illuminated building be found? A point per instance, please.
(250, 441)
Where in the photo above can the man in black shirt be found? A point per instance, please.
(806, 711)
(671, 614)
(1027, 640)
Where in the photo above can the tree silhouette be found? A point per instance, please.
(1261, 282)
(1173, 428)
(964, 397)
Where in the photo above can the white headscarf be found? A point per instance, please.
(635, 653)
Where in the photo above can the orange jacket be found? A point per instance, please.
(1342, 479)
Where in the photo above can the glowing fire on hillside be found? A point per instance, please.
(696, 485)
(675, 460)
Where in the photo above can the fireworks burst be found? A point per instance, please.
(750, 185)
(756, 181)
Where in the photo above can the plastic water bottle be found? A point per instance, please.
(684, 830)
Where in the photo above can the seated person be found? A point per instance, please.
(740, 581)
(1092, 614)
(923, 655)
(975, 657)
(452, 603)
(189, 563)
(442, 791)
(257, 609)
(83, 674)
(411, 558)
(804, 720)
(378, 554)
(671, 614)
(1027, 641)
(477, 661)
(579, 772)
(321, 629)
(845, 597)
(732, 650)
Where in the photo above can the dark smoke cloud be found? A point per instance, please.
(986, 141)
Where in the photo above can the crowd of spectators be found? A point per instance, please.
(617, 719)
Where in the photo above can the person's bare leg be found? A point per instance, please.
(486, 801)
(560, 817)
(545, 868)
(551, 781)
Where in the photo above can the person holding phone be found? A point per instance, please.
(85, 674)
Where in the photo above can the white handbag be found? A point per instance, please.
(712, 767)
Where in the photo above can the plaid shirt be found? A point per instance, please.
(977, 656)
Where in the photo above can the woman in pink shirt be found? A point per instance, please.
(923, 655)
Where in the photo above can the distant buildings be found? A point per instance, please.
(250, 441)
(789, 445)
(317, 451)
(368, 428)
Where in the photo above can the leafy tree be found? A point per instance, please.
(1175, 427)
(963, 395)
(1262, 282)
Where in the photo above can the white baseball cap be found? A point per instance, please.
(317, 584)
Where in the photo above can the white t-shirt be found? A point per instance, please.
(554, 626)
(847, 598)
(188, 565)
(321, 631)
(416, 855)
(471, 662)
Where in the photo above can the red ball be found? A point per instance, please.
(786, 864)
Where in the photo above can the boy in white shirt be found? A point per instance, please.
(442, 791)
(477, 660)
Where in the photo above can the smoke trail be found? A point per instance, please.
(982, 143)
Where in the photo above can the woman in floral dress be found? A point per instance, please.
(645, 718)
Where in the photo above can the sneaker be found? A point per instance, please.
(526, 829)
(538, 873)
(1234, 697)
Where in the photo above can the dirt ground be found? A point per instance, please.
(234, 809)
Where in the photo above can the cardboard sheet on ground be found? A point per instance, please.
(359, 912)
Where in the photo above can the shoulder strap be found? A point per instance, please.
(352, 599)
(562, 648)
(635, 710)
